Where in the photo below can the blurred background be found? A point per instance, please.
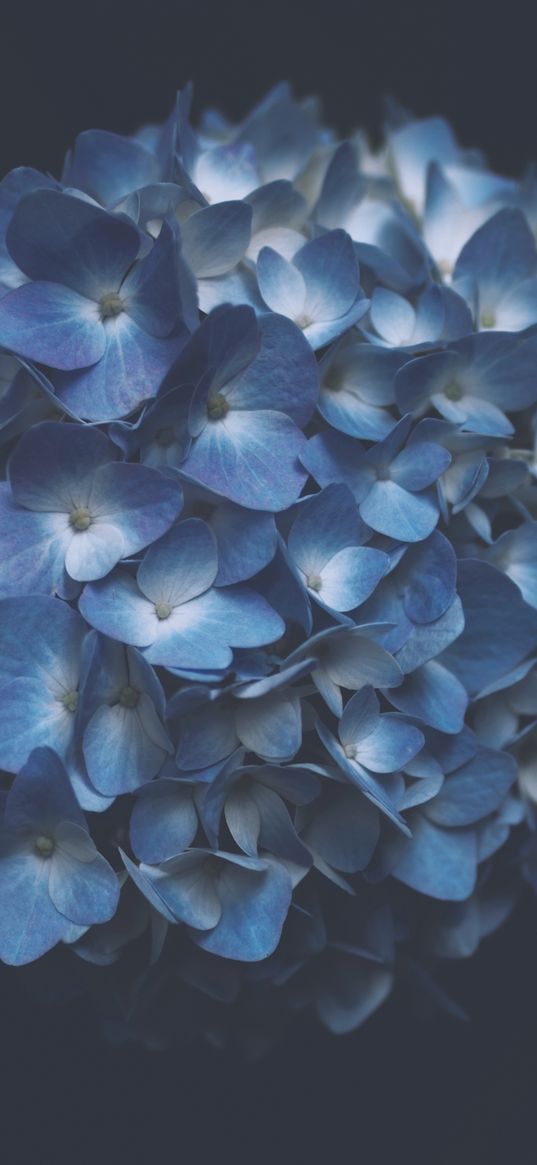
(438, 1090)
(69, 66)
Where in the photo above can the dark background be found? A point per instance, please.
(439, 1092)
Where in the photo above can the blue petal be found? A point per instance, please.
(433, 694)
(500, 369)
(254, 908)
(161, 432)
(475, 790)
(298, 784)
(515, 552)
(284, 375)
(360, 716)
(132, 505)
(499, 255)
(53, 325)
(275, 203)
(40, 637)
(116, 606)
(182, 565)
(108, 166)
(356, 381)
(350, 658)
(246, 542)
(419, 465)
(391, 510)
(428, 578)
(227, 341)
(392, 317)
(390, 746)
(425, 377)
(439, 862)
(150, 291)
(203, 631)
(344, 831)
(41, 794)
(325, 523)
(243, 819)
(280, 283)
(187, 889)
(282, 587)
(129, 373)
(227, 171)
(358, 990)
(350, 577)
(206, 736)
(320, 333)
(271, 726)
(32, 716)
(83, 888)
(332, 457)
(55, 463)
(277, 834)
(164, 821)
(329, 267)
(500, 628)
(141, 876)
(250, 458)
(362, 780)
(429, 639)
(282, 132)
(124, 746)
(64, 239)
(215, 238)
(29, 923)
(33, 550)
(413, 146)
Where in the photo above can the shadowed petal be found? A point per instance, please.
(254, 909)
(438, 862)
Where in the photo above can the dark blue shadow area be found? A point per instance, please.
(402, 1088)
(67, 67)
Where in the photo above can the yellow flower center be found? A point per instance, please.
(44, 846)
(110, 305)
(80, 519)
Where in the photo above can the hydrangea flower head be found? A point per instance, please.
(268, 563)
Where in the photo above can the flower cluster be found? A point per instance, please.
(268, 569)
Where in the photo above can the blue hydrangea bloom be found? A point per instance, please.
(390, 482)
(357, 383)
(71, 510)
(318, 289)
(172, 610)
(91, 307)
(254, 385)
(324, 544)
(268, 566)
